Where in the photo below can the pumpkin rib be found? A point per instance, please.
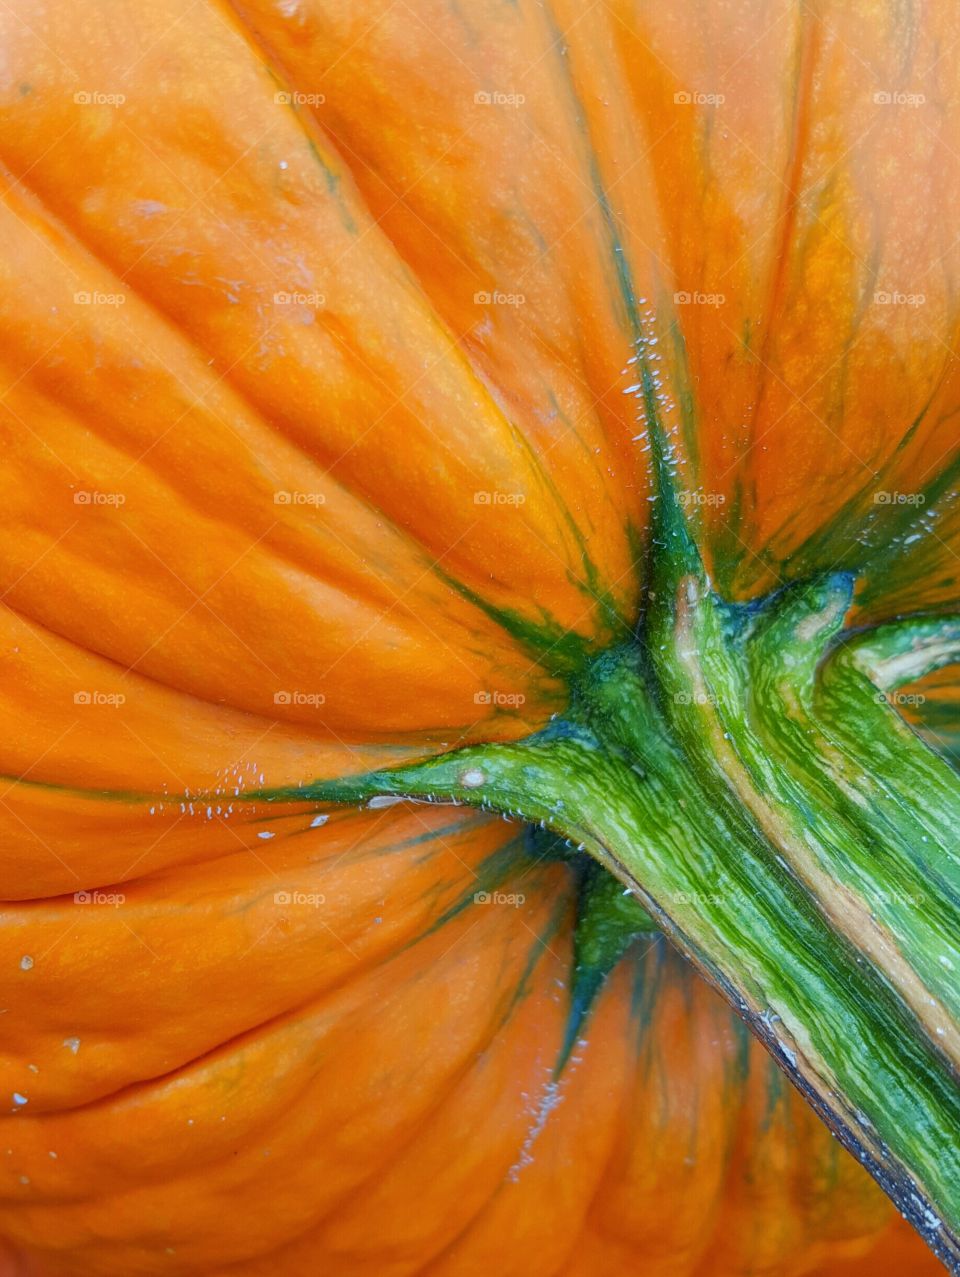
(805, 59)
(743, 1124)
(890, 191)
(174, 1034)
(365, 584)
(543, 953)
(491, 1032)
(637, 1082)
(288, 1017)
(30, 638)
(647, 998)
(640, 1043)
(255, 21)
(899, 558)
(361, 588)
(402, 533)
(447, 1263)
(879, 550)
(438, 330)
(50, 624)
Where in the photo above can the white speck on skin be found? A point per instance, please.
(72, 1044)
(265, 833)
(318, 821)
(473, 778)
(53, 1155)
(19, 1099)
(26, 962)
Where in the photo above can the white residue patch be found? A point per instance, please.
(549, 1101)
(149, 208)
(788, 1055)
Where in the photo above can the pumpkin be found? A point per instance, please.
(417, 414)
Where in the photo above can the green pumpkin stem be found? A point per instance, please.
(740, 772)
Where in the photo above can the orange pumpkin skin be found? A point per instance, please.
(363, 528)
(671, 1141)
